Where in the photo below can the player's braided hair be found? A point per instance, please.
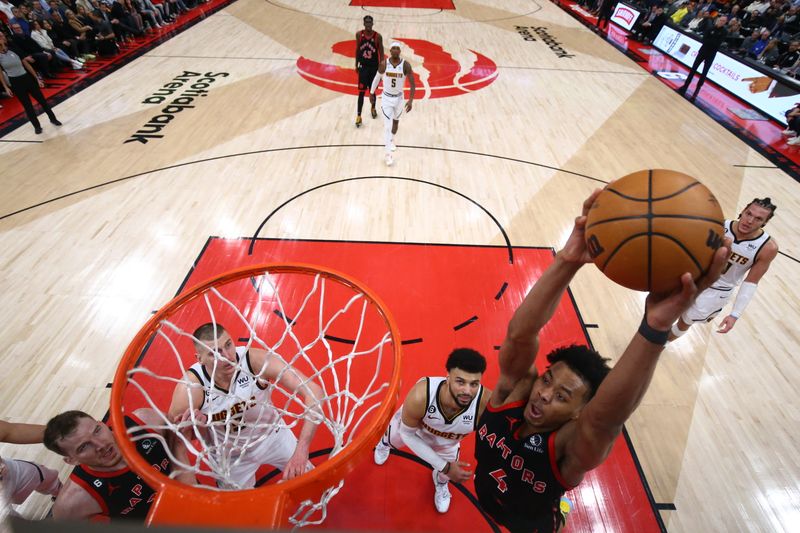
(587, 363)
(766, 203)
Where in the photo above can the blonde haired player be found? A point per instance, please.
(752, 252)
(235, 384)
(393, 71)
(436, 415)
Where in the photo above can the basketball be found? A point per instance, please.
(646, 229)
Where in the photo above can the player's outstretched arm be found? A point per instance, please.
(748, 287)
(18, 433)
(518, 351)
(413, 414)
(295, 382)
(587, 441)
(153, 420)
(185, 405)
(377, 79)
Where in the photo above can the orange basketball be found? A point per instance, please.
(647, 228)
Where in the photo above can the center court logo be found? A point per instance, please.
(439, 76)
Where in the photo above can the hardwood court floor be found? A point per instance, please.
(97, 232)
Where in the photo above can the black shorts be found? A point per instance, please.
(366, 73)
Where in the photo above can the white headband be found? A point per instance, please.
(395, 43)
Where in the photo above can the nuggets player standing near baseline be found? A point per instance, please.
(393, 71)
(436, 415)
(369, 54)
(752, 251)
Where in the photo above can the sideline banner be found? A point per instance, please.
(625, 15)
(764, 92)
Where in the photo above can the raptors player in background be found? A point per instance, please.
(542, 432)
(393, 71)
(752, 252)
(437, 413)
(369, 53)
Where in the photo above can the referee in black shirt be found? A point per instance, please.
(712, 39)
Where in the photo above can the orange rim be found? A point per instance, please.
(271, 505)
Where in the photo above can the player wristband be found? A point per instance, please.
(446, 468)
(653, 335)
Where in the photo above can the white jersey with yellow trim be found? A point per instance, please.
(439, 430)
(394, 79)
(249, 402)
(743, 256)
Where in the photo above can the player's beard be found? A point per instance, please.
(459, 402)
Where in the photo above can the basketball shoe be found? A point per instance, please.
(381, 453)
(374, 112)
(441, 497)
(389, 160)
(358, 121)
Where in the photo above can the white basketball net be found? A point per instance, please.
(220, 444)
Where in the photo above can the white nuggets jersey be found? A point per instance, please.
(394, 79)
(743, 255)
(248, 402)
(439, 429)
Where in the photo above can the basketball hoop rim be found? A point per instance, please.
(326, 474)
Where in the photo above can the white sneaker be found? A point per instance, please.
(76, 65)
(389, 160)
(787, 131)
(392, 147)
(441, 496)
(381, 453)
(793, 141)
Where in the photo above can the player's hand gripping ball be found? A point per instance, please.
(646, 229)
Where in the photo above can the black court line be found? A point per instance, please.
(222, 57)
(757, 166)
(13, 141)
(633, 72)
(592, 326)
(666, 506)
(789, 256)
(399, 178)
(501, 291)
(433, 12)
(466, 323)
(388, 17)
(343, 341)
(411, 341)
(285, 149)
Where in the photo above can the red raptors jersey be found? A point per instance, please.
(368, 49)
(517, 479)
(121, 493)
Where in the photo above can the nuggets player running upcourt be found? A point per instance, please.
(369, 54)
(436, 415)
(752, 251)
(393, 71)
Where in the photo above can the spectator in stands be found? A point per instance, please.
(7, 9)
(84, 31)
(69, 40)
(682, 12)
(105, 39)
(150, 14)
(787, 60)
(700, 23)
(755, 50)
(649, 29)
(793, 126)
(56, 7)
(18, 18)
(748, 43)
(769, 56)
(29, 48)
(42, 38)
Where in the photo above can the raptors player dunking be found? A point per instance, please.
(369, 54)
(393, 71)
(436, 415)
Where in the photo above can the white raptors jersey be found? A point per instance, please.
(394, 79)
(743, 255)
(436, 428)
(248, 402)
